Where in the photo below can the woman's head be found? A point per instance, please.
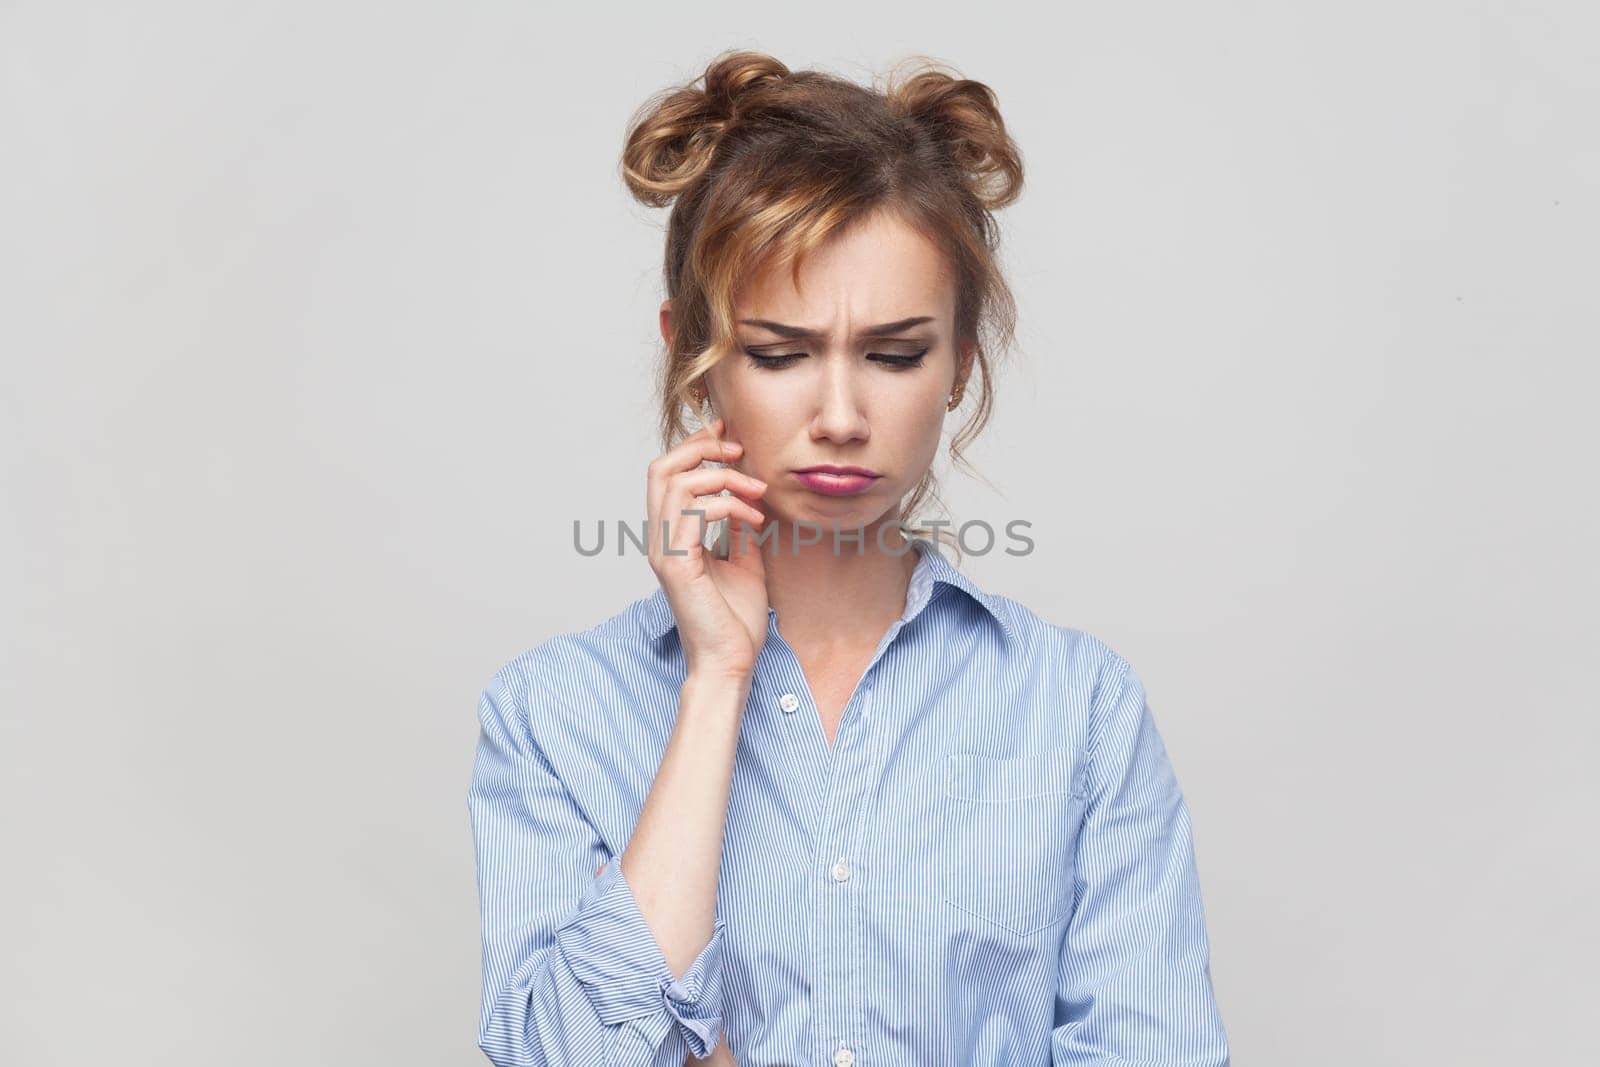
(804, 200)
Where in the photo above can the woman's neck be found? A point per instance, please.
(846, 596)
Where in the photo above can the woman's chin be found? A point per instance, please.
(814, 519)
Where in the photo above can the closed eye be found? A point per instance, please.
(777, 360)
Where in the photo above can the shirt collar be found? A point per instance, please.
(932, 570)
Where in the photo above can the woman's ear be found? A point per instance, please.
(666, 321)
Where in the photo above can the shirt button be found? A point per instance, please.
(843, 1057)
(841, 871)
(788, 702)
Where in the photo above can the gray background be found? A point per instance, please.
(321, 322)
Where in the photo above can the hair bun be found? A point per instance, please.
(964, 117)
(672, 136)
(736, 76)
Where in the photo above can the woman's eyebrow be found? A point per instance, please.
(801, 333)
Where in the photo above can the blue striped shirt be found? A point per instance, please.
(992, 863)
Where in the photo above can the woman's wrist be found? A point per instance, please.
(714, 697)
(718, 678)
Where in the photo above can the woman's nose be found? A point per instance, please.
(840, 414)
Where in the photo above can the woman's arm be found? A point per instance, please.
(1135, 979)
(587, 969)
(720, 1057)
(674, 857)
(633, 973)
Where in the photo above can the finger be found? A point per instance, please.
(682, 456)
(709, 480)
(741, 531)
(685, 456)
(688, 489)
(669, 495)
(744, 551)
(686, 527)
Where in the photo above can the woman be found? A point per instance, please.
(915, 824)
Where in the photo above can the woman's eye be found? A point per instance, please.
(899, 362)
(773, 361)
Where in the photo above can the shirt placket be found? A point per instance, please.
(849, 774)
(836, 958)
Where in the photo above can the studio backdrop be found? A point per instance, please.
(321, 324)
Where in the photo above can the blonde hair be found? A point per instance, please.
(762, 164)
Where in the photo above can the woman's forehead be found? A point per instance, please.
(877, 272)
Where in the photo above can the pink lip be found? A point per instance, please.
(837, 481)
(833, 468)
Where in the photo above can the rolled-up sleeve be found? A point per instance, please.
(571, 971)
(1135, 978)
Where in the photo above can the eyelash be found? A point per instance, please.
(899, 363)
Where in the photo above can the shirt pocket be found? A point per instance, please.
(1010, 830)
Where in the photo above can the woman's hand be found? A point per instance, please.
(720, 604)
(720, 1056)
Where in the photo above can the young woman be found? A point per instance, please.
(819, 799)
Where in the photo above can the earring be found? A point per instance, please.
(955, 398)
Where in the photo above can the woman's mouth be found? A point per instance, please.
(837, 481)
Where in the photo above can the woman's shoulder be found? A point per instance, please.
(563, 666)
(1076, 654)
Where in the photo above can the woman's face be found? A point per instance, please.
(854, 368)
